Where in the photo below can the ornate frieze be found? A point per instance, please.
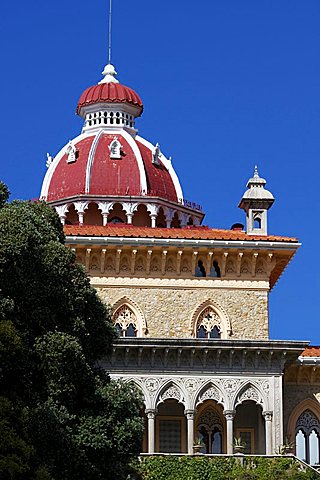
(192, 391)
(182, 262)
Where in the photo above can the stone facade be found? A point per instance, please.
(295, 394)
(168, 311)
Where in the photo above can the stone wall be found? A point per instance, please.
(294, 394)
(168, 310)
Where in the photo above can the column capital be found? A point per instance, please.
(229, 414)
(151, 413)
(189, 414)
(267, 416)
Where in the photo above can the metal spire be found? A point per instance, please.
(109, 31)
(109, 71)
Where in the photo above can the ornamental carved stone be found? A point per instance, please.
(209, 319)
(151, 384)
(308, 422)
(210, 420)
(210, 394)
(250, 393)
(124, 316)
(171, 393)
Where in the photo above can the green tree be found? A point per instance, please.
(67, 419)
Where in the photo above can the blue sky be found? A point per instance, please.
(225, 84)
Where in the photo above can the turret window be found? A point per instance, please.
(257, 223)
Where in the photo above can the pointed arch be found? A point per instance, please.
(141, 386)
(124, 264)
(209, 391)
(171, 390)
(307, 404)
(94, 262)
(134, 313)
(250, 391)
(219, 316)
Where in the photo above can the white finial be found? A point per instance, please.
(256, 173)
(49, 160)
(109, 73)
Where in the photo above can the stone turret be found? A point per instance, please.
(256, 201)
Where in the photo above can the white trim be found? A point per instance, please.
(167, 163)
(136, 151)
(261, 245)
(52, 168)
(309, 360)
(91, 158)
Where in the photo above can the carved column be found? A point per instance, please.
(224, 263)
(118, 255)
(169, 214)
(229, 416)
(163, 261)
(153, 210)
(239, 260)
(179, 255)
(105, 208)
(88, 253)
(268, 425)
(190, 429)
(102, 259)
(62, 211)
(149, 253)
(151, 414)
(129, 208)
(254, 261)
(133, 260)
(80, 208)
(184, 219)
(194, 262)
(209, 263)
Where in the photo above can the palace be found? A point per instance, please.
(190, 302)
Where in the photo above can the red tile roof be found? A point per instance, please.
(311, 352)
(196, 233)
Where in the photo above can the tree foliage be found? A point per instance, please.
(61, 416)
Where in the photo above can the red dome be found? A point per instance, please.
(109, 92)
(94, 172)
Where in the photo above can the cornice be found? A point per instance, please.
(179, 283)
(182, 242)
(201, 356)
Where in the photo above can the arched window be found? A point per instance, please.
(209, 429)
(215, 270)
(125, 322)
(200, 270)
(115, 149)
(116, 220)
(257, 220)
(208, 325)
(257, 223)
(71, 152)
(308, 438)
